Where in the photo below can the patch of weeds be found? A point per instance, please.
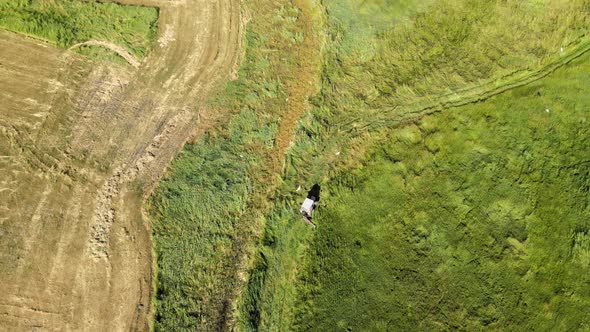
(100, 53)
(68, 22)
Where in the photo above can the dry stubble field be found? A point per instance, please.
(81, 145)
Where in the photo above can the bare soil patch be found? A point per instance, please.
(81, 146)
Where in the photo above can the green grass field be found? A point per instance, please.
(381, 60)
(68, 22)
(349, 110)
(208, 210)
(475, 218)
(194, 228)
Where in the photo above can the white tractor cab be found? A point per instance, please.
(310, 203)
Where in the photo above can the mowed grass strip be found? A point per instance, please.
(68, 22)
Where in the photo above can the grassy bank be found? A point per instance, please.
(472, 219)
(68, 22)
(351, 110)
(207, 211)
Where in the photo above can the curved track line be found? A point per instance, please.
(477, 93)
(122, 52)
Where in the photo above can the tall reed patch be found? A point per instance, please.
(207, 212)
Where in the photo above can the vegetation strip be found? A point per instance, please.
(207, 211)
(335, 137)
(117, 49)
(211, 206)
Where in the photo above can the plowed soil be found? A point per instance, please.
(81, 145)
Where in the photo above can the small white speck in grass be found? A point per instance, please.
(338, 153)
(547, 110)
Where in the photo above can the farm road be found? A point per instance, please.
(75, 246)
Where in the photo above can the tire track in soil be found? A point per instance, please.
(132, 130)
(201, 30)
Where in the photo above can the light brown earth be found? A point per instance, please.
(81, 145)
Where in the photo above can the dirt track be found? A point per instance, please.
(76, 163)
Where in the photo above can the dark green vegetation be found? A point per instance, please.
(477, 217)
(208, 208)
(68, 22)
(195, 214)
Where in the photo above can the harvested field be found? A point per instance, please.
(81, 145)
